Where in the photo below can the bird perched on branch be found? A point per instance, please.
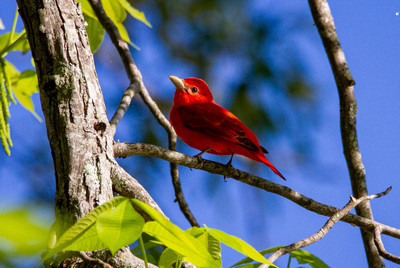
(208, 127)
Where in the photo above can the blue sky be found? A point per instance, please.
(369, 33)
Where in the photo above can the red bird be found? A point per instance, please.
(208, 127)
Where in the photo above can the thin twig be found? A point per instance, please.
(381, 247)
(137, 85)
(180, 197)
(348, 109)
(123, 106)
(325, 229)
(130, 149)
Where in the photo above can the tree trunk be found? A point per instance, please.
(77, 125)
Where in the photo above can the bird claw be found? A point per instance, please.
(201, 162)
(200, 158)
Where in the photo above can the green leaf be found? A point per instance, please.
(95, 33)
(86, 224)
(23, 234)
(125, 36)
(114, 10)
(304, 257)
(87, 9)
(12, 72)
(238, 245)
(176, 239)
(117, 14)
(167, 258)
(262, 252)
(120, 226)
(301, 256)
(182, 244)
(212, 244)
(18, 42)
(1, 25)
(88, 240)
(23, 87)
(134, 12)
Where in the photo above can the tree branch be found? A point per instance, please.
(127, 186)
(325, 229)
(123, 106)
(348, 109)
(381, 247)
(137, 85)
(93, 261)
(130, 149)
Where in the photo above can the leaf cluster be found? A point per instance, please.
(20, 236)
(117, 12)
(12, 82)
(24, 84)
(116, 224)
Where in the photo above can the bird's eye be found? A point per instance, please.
(195, 89)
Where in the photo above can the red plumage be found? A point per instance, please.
(202, 124)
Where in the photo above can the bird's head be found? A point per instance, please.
(190, 91)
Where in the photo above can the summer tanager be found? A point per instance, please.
(208, 127)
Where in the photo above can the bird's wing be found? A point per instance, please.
(214, 120)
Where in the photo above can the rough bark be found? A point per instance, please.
(77, 125)
(348, 109)
(72, 105)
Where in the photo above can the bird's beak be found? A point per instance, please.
(177, 82)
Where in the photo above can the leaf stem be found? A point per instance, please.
(8, 48)
(180, 262)
(13, 27)
(143, 251)
(290, 258)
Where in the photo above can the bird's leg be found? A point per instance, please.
(198, 156)
(201, 153)
(229, 164)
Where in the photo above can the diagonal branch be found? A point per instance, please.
(130, 149)
(123, 106)
(327, 226)
(137, 85)
(125, 185)
(381, 247)
(348, 109)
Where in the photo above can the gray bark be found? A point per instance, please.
(348, 110)
(77, 125)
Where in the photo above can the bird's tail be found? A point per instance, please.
(265, 161)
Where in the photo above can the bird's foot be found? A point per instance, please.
(200, 158)
(200, 164)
